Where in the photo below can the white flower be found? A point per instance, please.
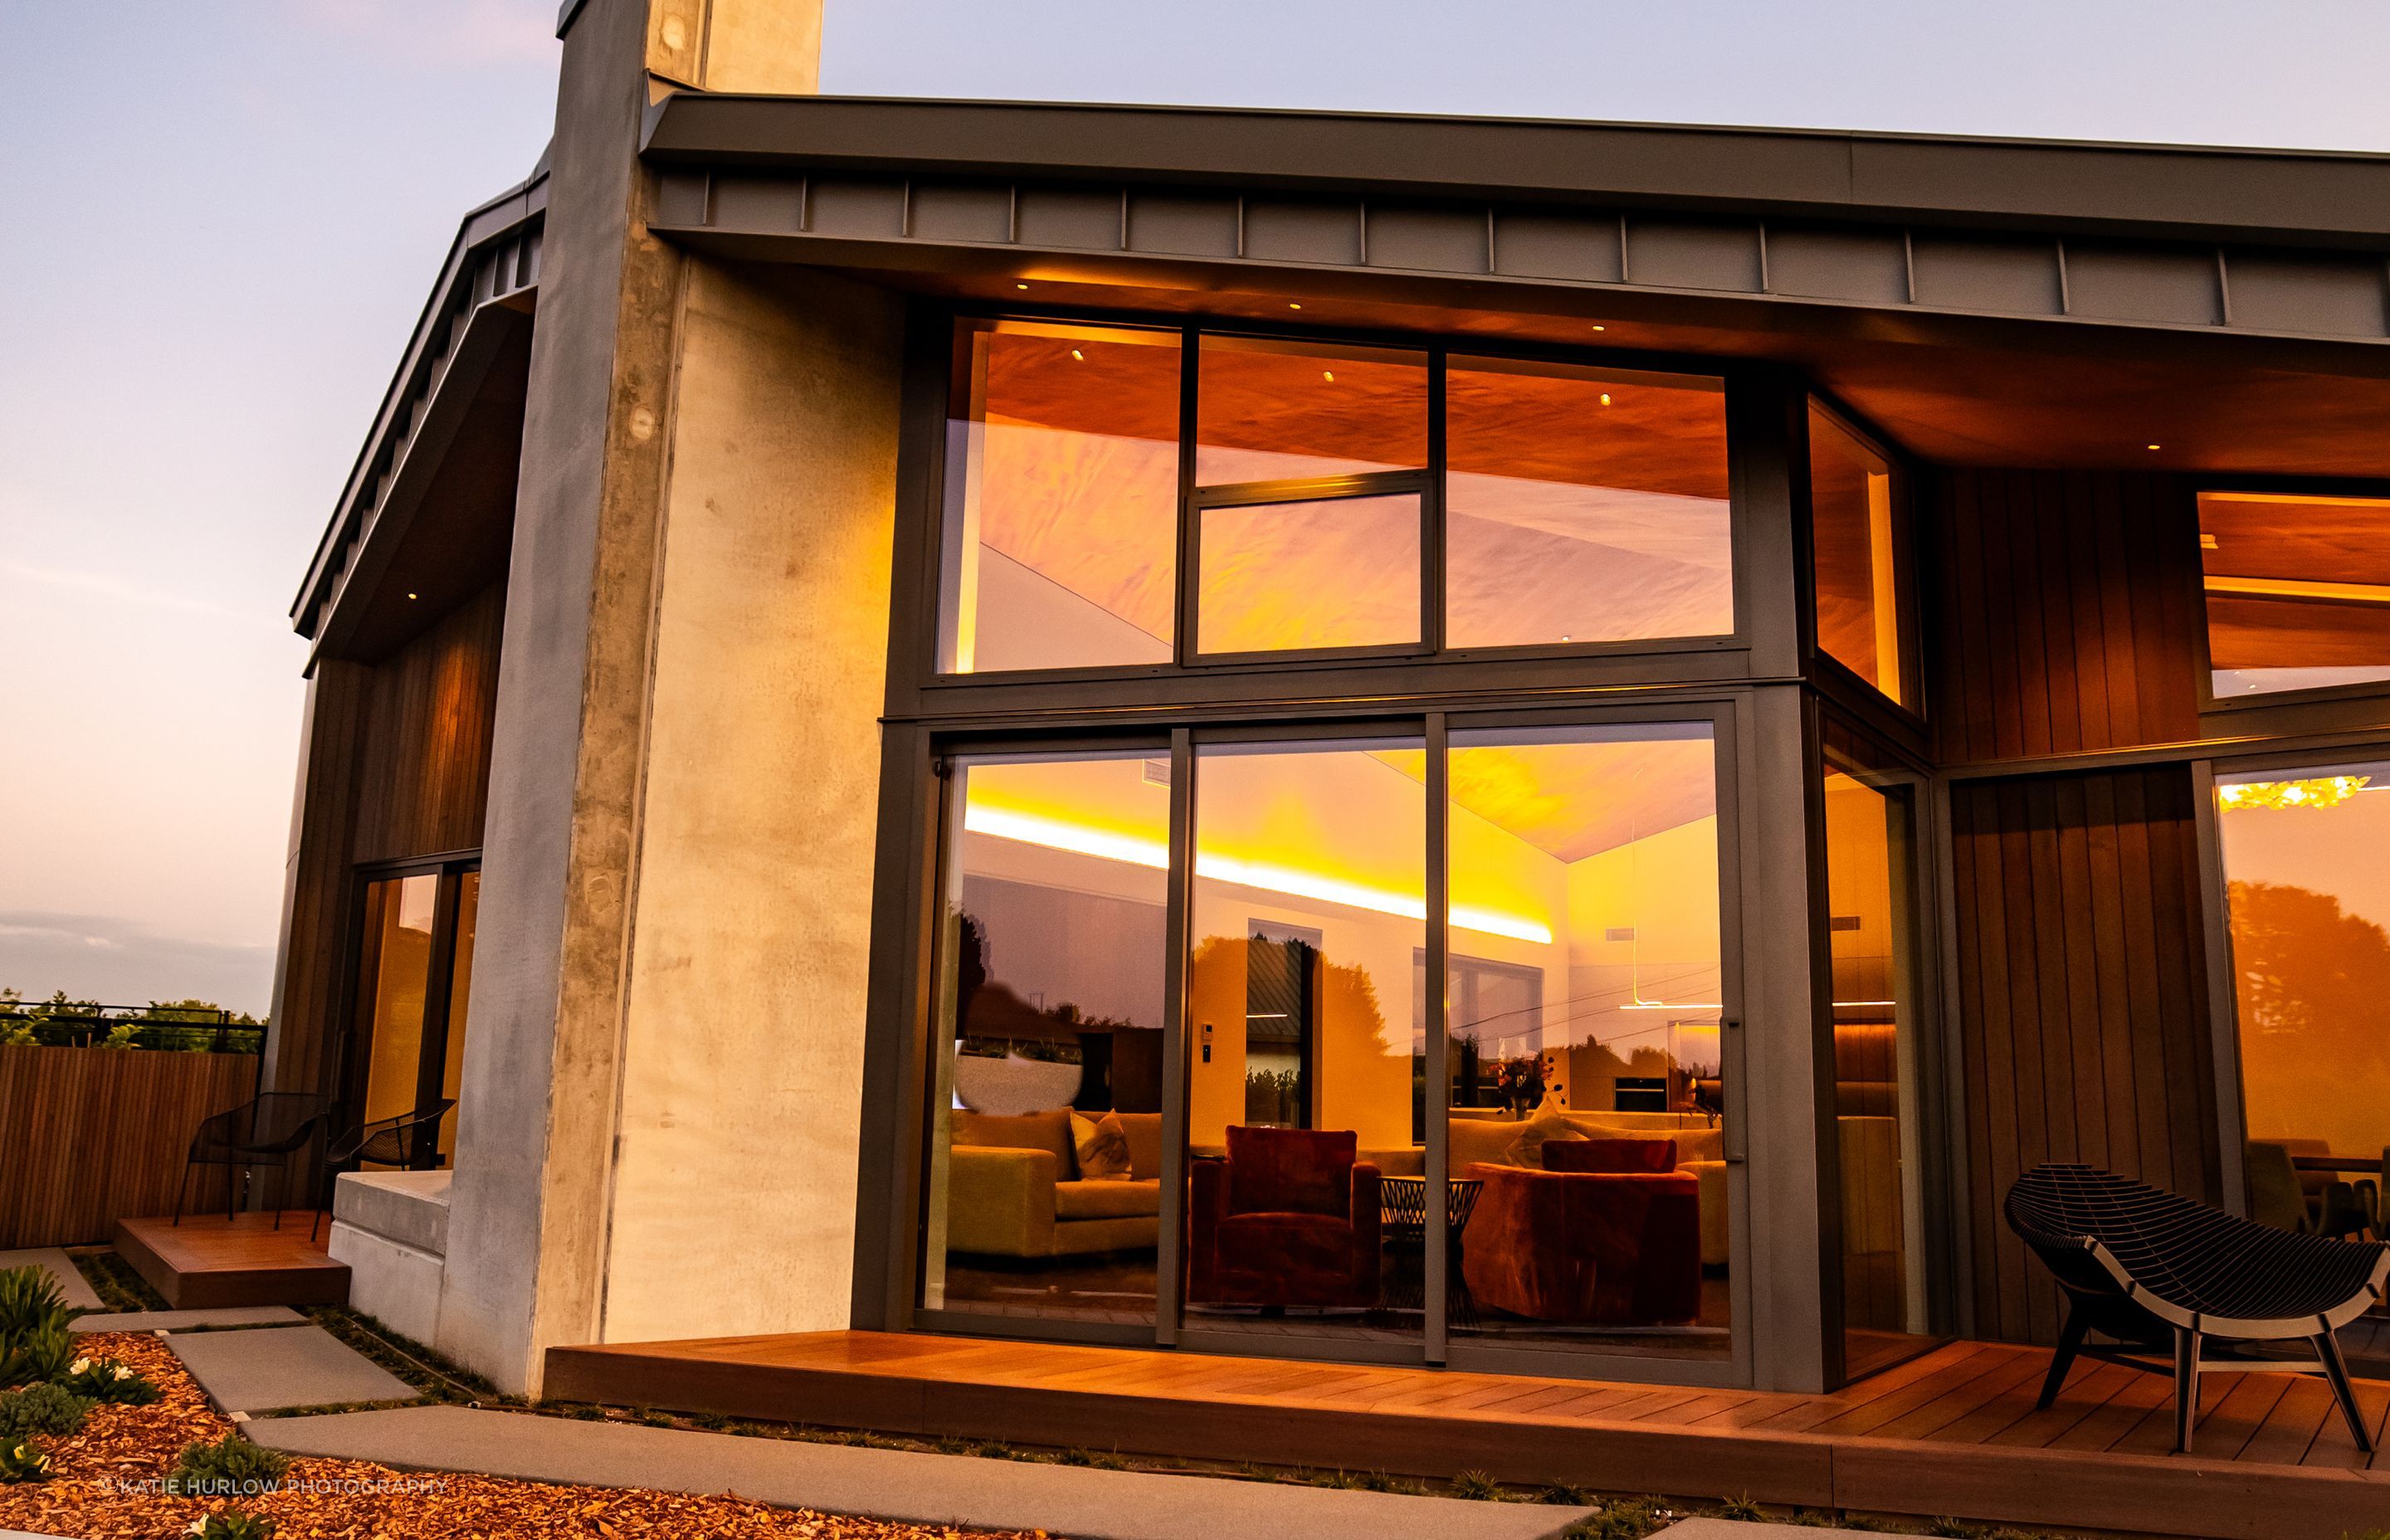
(124, 1373)
(79, 1366)
(199, 1526)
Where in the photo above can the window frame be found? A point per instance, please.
(896, 1297)
(352, 1055)
(2324, 696)
(1672, 659)
(1845, 683)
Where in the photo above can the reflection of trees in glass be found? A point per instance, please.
(2313, 982)
(1271, 1098)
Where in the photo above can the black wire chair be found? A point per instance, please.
(266, 1130)
(404, 1141)
(2139, 1267)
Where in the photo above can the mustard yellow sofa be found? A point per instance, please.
(1013, 1188)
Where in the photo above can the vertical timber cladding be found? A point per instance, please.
(396, 764)
(424, 771)
(2065, 617)
(2083, 1013)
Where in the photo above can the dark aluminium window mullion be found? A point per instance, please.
(1433, 1244)
(439, 977)
(1169, 1271)
(1432, 531)
(1189, 518)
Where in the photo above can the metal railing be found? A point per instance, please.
(84, 1025)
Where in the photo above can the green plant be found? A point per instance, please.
(1478, 1487)
(35, 1342)
(20, 1035)
(233, 1525)
(22, 1460)
(952, 1447)
(106, 1379)
(1952, 1529)
(1074, 1457)
(51, 1410)
(232, 1467)
(1562, 1494)
(1741, 1509)
(654, 1418)
(122, 1036)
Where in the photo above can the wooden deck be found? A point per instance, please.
(1953, 1432)
(207, 1262)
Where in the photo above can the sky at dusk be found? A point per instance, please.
(223, 218)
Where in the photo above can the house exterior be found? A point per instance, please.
(1540, 747)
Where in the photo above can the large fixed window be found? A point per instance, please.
(1584, 505)
(1314, 499)
(1856, 515)
(2309, 899)
(2298, 591)
(1061, 538)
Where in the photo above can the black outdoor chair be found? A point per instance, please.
(266, 1130)
(403, 1141)
(2141, 1265)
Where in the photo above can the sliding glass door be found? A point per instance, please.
(1304, 1165)
(1399, 1044)
(1587, 1132)
(1044, 1176)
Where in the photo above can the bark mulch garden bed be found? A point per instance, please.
(108, 1482)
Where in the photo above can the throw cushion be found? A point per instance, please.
(1534, 1134)
(1024, 1131)
(1103, 1146)
(1611, 1156)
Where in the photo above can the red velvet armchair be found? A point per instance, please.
(1615, 1247)
(1290, 1218)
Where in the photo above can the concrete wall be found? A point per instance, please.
(733, 1206)
(536, 1123)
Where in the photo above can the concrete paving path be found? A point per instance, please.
(893, 1484)
(190, 1320)
(71, 1283)
(274, 1367)
(1737, 1529)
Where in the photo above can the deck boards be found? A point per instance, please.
(209, 1262)
(1954, 1431)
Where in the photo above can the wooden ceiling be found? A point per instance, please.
(1948, 388)
(1267, 410)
